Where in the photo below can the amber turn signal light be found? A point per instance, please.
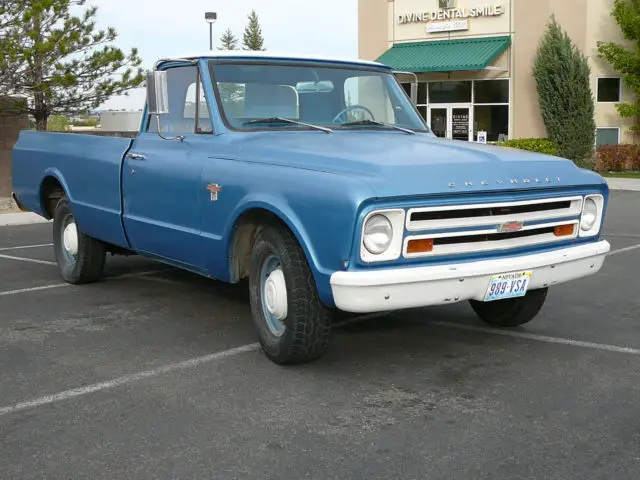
(420, 246)
(564, 230)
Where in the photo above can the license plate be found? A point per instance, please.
(508, 285)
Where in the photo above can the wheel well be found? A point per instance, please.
(51, 192)
(245, 230)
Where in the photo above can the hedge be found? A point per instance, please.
(618, 158)
(540, 145)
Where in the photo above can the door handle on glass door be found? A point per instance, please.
(136, 156)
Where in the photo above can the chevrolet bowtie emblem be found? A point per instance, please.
(214, 190)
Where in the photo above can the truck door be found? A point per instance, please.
(161, 177)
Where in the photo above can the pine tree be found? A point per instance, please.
(626, 60)
(61, 62)
(228, 41)
(562, 77)
(252, 38)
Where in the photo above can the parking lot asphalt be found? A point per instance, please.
(154, 373)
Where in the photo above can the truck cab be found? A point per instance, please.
(317, 180)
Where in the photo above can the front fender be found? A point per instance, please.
(322, 224)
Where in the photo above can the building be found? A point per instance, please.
(473, 59)
(120, 121)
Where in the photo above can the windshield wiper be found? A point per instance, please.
(375, 122)
(286, 120)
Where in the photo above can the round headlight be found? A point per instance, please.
(378, 233)
(589, 214)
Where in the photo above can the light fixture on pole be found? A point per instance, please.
(211, 18)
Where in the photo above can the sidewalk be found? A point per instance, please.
(10, 215)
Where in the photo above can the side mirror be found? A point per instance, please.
(157, 93)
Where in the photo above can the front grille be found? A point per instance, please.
(462, 216)
(474, 228)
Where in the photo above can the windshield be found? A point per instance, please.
(263, 96)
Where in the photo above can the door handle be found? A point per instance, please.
(136, 156)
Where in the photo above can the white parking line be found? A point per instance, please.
(538, 338)
(28, 260)
(126, 379)
(626, 249)
(23, 247)
(33, 289)
(145, 275)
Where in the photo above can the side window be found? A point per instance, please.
(186, 96)
(195, 96)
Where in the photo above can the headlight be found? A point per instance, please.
(589, 215)
(591, 218)
(378, 234)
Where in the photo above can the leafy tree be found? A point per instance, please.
(252, 38)
(562, 76)
(228, 41)
(626, 60)
(60, 61)
(58, 123)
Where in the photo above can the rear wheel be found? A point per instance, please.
(293, 326)
(79, 257)
(511, 312)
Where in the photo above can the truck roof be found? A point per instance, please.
(248, 54)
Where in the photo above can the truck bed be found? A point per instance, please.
(87, 166)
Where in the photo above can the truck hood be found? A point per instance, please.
(397, 164)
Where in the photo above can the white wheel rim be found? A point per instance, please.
(70, 239)
(275, 295)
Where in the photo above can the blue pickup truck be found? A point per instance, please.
(318, 181)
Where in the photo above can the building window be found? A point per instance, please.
(608, 90)
(607, 136)
(493, 119)
(450, 92)
(491, 91)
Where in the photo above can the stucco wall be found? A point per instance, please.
(12, 120)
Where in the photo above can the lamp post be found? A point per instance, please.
(211, 18)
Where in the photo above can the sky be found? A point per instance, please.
(326, 27)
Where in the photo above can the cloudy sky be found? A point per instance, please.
(326, 27)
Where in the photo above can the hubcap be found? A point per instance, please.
(274, 296)
(70, 239)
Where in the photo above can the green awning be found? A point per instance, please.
(445, 55)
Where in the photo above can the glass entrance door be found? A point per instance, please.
(452, 122)
(440, 122)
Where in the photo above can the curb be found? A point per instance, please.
(628, 184)
(21, 218)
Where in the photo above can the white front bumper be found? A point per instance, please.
(383, 290)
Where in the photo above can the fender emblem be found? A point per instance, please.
(214, 189)
(510, 227)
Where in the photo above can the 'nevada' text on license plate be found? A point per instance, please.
(508, 285)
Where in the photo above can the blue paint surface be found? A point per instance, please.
(320, 185)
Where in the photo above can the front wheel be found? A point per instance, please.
(511, 312)
(79, 257)
(292, 324)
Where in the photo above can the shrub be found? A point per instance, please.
(618, 158)
(562, 76)
(540, 145)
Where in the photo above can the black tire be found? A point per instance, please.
(306, 328)
(87, 264)
(511, 312)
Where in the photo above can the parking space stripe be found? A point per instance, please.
(28, 260)
(626, 249)
(538, 338)
(126, 379)
(23, 247)
(33, 289)
(58, 285)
